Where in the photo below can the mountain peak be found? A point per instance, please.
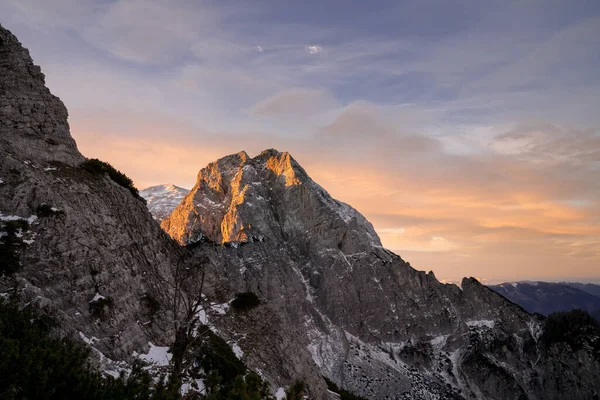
(162, 199)
(34, 122)
(270, 196)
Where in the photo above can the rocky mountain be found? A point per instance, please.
(71, 239)
(162, 199)
(365, 317)
(77, 241)
(545, 298)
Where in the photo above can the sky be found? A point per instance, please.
(467, 132)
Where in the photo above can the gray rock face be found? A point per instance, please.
(238, 199)
(88, 238)
(162, 199)
(369, 321)
(28, 107)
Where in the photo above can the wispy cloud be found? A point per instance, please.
(469, 136)
(313, 49)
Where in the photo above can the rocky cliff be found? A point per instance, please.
(85, 249)
(365, 317)
(81, 244)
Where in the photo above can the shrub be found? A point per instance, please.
(331, 385)
(101, 307)
(36, 365)
(46, 210)
(245, 301)
(151, 305)
(11, 241)
(296, 391)
(344, 394)
(97, 167)
(569, 327)
(214, 354)
(225, 376)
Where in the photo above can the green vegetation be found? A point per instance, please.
(296, 391)
(151, 305)
(214, 354)
(571, 327)
(46, 210)
(36, 365)
(245, 301)
(225, 376)
(11, 242)
(344, 394)
(100, 308)
(97, 167)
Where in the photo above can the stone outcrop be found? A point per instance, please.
(239, 199)
(368, 320)
(28, 107)
(91, 246)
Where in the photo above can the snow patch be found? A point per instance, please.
(97, 297)
(237, 350)
(305, 282)
(535, 329)
(158, 355)
(280, 394)
(49, 169)
(10, 217)
(220, 308)
(88, 340)
(439, 341)
(195, 385)
(481, 323)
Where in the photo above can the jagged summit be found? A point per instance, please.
(28, 108)
(268, 197)
(162, 199)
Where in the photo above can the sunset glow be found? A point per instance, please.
(468, 137)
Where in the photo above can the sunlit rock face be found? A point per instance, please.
(367, 319)
(242, 199)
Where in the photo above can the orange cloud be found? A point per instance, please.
(501, 216)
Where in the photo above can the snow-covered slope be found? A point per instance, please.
(162, 199)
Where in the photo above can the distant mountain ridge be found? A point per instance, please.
(162, 199)
(591, 288)
(548, 297)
